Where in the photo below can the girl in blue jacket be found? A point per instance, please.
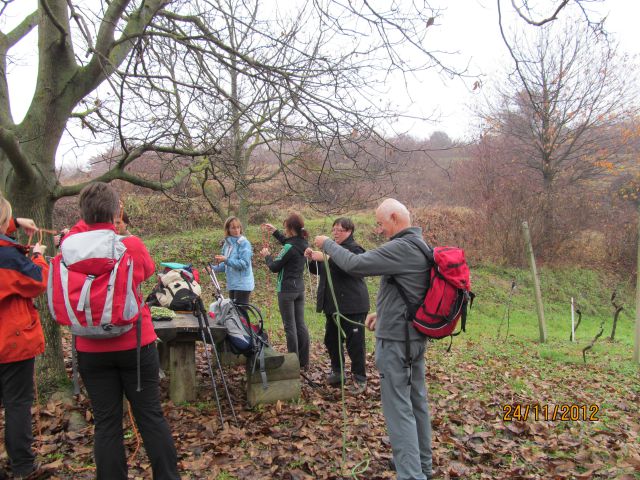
(235, 261)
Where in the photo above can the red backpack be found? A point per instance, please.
(91, 285)
(448, 293)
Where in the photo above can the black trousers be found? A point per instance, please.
(239, 296)
(106, 377)
(292, 312)
(16, 395)
(355, 344)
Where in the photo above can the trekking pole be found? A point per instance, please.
(218, 290)
(214, 280)
(311, 383)
(218, 294)
(208, 357)
(203, 314)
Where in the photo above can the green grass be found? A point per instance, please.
(487, 323)
(225, 476)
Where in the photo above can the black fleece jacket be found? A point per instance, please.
(351, 290)
(290, 263)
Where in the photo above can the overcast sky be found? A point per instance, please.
(466, 28)
(470, 27)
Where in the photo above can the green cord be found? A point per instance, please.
(356, 470)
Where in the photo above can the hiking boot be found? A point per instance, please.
(392, 467)
(34, 473)
(335, 379)
(358, 387)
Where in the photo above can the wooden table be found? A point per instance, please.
(178, 359)
(178, 353)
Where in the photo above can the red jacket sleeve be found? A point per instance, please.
(142, 261)
(27, 277)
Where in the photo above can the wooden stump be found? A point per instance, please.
(283, 380)
(182, 371)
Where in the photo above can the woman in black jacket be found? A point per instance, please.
(290, 264)
(353, 302)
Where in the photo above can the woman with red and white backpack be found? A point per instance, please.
(109, 366)
(22, 278)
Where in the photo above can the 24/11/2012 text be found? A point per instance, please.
(550, 413)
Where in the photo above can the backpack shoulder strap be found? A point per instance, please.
(422, 245)
(428, 252)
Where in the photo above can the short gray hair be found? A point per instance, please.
(391, 205)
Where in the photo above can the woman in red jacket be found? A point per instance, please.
(108, 367)
(21, 339)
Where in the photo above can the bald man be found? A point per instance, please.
(402, 376)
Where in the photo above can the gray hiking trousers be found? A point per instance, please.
(405, 407)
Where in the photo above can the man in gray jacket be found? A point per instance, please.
(402, 380)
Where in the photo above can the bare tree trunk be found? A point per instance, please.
(34, 201)
(243, 189)
(243, 208)
(636, 349)
(4, 171)
(548, 213)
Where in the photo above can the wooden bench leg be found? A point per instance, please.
(182, 371)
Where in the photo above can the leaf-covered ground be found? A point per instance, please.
(469, 389)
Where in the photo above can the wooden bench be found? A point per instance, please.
(178, 353)
(177, 358)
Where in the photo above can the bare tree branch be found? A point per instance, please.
(541, 22)
(22, 30)
(10, 144)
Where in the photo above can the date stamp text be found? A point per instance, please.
(567, 412)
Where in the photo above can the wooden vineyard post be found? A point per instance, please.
(536, 282)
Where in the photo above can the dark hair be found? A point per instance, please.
(99, 203)
(295, 223)
(345, 223)
(125, 219)
(227, 225)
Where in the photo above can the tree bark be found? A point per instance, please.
(636, 349)
(34, 201)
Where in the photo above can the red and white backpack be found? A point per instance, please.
(91, 285)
